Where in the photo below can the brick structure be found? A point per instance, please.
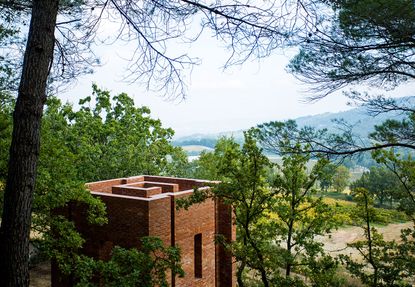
(145, 206)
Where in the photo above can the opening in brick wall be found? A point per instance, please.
(198, 255)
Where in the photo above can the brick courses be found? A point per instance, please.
(146, 206)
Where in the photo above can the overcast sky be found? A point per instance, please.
(217, 100)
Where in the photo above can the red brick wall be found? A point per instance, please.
(159, 214)
(225, 266)
(199, 218)
(127, 223)
(184, 184)
(166, 187)
(136, 191)
(105, 185)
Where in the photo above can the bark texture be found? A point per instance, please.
(24, 149)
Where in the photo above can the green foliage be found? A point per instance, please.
(326, 180)
(6, 108)
(341, 178)
(244, 186)
(337, 195)
(115, 139)
(381, 183)
(382, 263)
(300, 217)
(109, 139)
(276, 214)
(130, 267)
(403, 168)
(208, 165)
(205, 165)
(345, 213)
(323, 271)
(395, 131)
(354, 44)
(364, 19)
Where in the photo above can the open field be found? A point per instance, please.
(336, 242)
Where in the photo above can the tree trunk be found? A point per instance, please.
(288, 263)
(293, 205)
(370, 243)
(24, 149)
(239, 274)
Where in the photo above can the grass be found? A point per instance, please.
(336, 195)
(346, 210)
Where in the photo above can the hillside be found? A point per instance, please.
(363, 125)
(193, 150)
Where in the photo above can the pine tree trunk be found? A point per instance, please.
(24, 149)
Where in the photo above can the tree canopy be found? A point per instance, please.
(359, 42)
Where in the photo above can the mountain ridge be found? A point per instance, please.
(363, 124)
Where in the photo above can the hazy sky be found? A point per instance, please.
(217, 100)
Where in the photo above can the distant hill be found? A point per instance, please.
(363, 125)
(193, 150)
(206, 140)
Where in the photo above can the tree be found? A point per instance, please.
(276, 214)
(57, 185)
(403, 168)
(341, 178)
(326, 180)
(385, 263)
(207, 165)
(130, 267)
(382, 263)
(113, 138)
(249, 31)
(381, 184)
(243, 186)
(360, 42)
(24, 148)
(300, 216)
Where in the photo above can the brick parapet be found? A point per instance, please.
(136, 191)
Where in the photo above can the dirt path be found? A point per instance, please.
(336, 242)
(40, 275)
